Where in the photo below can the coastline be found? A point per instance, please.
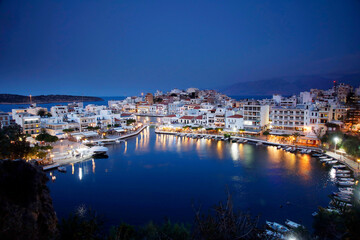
(71, 160)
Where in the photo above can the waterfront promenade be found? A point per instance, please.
(354, 166)
(64, 156)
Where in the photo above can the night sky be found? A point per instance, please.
(112, 48)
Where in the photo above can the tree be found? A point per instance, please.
(45, 137)
(13, 143)
(85, 224)
(266, 134)
(68, 130)
(224, 223)
(130, 121)
(296, 135)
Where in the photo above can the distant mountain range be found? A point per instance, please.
(289, 85)
(20, 99)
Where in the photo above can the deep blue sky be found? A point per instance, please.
(110, 48)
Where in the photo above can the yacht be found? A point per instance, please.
(99, 150)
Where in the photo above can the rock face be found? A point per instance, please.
(26, 210)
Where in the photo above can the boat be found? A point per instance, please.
(332, 162)
(332, 210)
(339, 166)
(278, 147)
(259, 143)
(345, 183)
(342, 175)
(348, 189)
(317, 155)
(309, 151)
(98, 150)
(61, 169)
(343, 199)
(343, 171)
(292, 224)
(274, 235)
(277, 227)
(245, 141)
(345, 194)
(345, 179)
(324, 157)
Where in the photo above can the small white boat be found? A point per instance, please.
(62, 169)
(259, 143)
(98, 150)
(346, 179)
(277, 227)
(339, 166)
(309, 151)
(332, 162)
(278, 147)
(274, 235)
(343, 171)
(345, 183)
(348, 189)
(292, 224)
(342, 175)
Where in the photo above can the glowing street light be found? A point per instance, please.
(336, 140)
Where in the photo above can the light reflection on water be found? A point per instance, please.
(162, 174)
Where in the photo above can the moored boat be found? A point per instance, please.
(62, 169)
(277, 227)
(292, 224)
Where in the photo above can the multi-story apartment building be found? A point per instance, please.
(29, 123)
(59, 111)
(256, 116)
(287, 120)
(4, 119)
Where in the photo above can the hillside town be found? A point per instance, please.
(308, 115)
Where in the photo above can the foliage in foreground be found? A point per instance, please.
(330, 225)
(222, 222)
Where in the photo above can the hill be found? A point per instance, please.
(19, 99)
(289, 85)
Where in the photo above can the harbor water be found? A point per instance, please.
(156, 176)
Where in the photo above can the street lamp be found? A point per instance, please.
(336, 140)
(358, 161)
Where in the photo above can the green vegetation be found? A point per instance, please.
(45, 137)
(93, 128)
(351, 144)
(13, 143)
(43, 113)
(222, 222)
(68, 130)
(130, 121)
(331, 225)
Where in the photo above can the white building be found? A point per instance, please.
(234, 123)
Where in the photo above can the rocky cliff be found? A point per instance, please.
(26, 210)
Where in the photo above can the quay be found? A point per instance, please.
(253, 140)
(113, 140)
(353, 166)
(66, 159)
